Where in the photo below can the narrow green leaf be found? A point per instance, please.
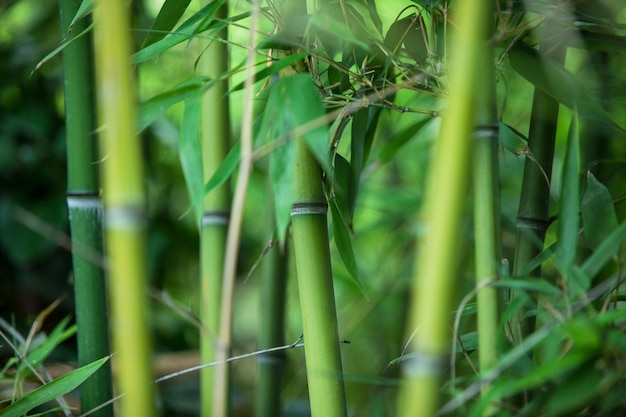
(598, 212)
(63, 45)
(282, 176)
(344, 246)
(327, 24)
(604, 252)
(224, 171)
(371, 8)
(528, 284)
(558, 83)
(38, 355)
(401, 138)
(512, 140)
(569, 202)
(189, 151)
(341, 185)
(538, 260)
(272, 69)
(154, 107)
(86, 7)
(52, 390)
(168, 16)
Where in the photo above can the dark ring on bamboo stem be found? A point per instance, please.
(215, 218)
(533, 224)
(423, 363)
(309, 208)
(132, 218)
(486, 132)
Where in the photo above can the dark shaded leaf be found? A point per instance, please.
(598, 213)
(168, 16)
(558, 83)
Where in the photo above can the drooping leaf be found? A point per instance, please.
(52, 390)
(224, 171)
(569, 214)
(344, 245)
(341, 185)
(364, 123)
(63, 45)
(604, 252)
(400, 139)
(85, 8)
(598, 213)
(371, 8)
(511, 139)
(168, 16)
(282, 176)
(190, 152)
(272, 69)
(38, 355)
(153, 108)
(558, 83)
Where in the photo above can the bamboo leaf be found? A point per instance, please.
(86, 7)
(528, 285)
(168, 16)
(344, 246)
(341, 185)
(558, 83)
(604, 252)
(391, 148)
(153, 108)
(598, 213)
(282, 176)
(61, 47)
(512, 140)
(371, 8)
(189, 151)
(52, 390)
(273, 69)
(37, 356)
(225, 170)
(568, 216)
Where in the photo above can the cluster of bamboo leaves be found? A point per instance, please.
(347, 94)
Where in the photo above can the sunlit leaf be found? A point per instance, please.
(52, 390)
(558, 83)
(598, 213)
(168, 16)
(190, 152)
(225, 170)
(153, 108)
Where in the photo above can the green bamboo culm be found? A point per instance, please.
(124, 198)
(315, 288)
(436, 268)
(532, 218)
(85, 212)
(215, 135)
(271, 332)
(486, 188)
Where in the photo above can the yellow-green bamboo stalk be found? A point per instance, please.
(215, 142)
(124, 198)
(315, 288)
(436, 270)
(486, 212)
(85, 212)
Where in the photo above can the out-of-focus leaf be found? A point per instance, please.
(538, 260)
(598, 213)
(341, 184)
(52, 390)
(344, 245)
(599, 41)
(570, 207)
(528, 284)
(282, 176)
(604, 252)
(371, 8)
(154, 107)
(511, 139)
(558, 83)
(391, 148)
(329, 25)
(190, 152)
(168, 16)
(575, 392)
(224, 171)
(364, 123)
(272, 69)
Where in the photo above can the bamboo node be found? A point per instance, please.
(309, 208)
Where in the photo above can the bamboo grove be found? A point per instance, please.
(403, 208)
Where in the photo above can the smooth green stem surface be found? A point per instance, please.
(124, 197)
(532, 218)
(215, 143)
(436, 265)
(315, 286)
(487, 216)
(85, 213)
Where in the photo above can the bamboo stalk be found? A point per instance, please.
(85, 212)
(486, 189)
(124, 199)
(434, 282)
(315, 287)
(220, 394)
(532, 218)
(215, 143)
